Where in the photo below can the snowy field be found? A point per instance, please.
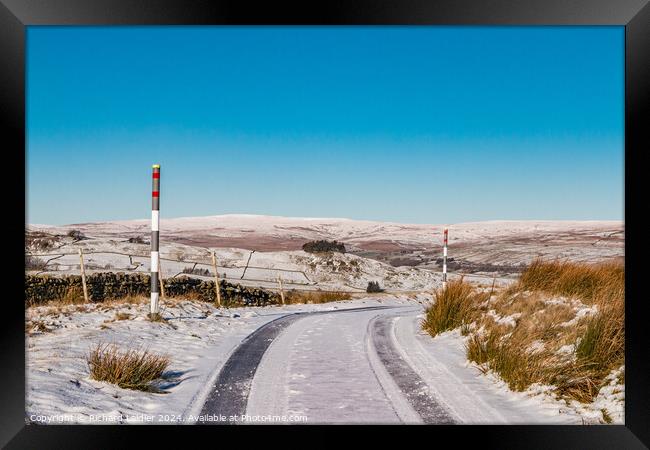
(198, 337)
(255, 250)
(501, 243)
(298, 269)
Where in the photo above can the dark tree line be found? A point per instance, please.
(324, 246)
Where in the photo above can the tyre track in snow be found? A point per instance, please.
(409, 382)
(229, 396)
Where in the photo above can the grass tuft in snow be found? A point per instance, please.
(122, 316)
(523, 334)
(453, 307)
(606, 417)
(602, 344)
(128, 369)
(155, 317)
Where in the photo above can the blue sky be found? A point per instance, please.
(417, 125)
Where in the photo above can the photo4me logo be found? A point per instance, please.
(246, 418)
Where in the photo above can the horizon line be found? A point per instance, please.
(248, 215)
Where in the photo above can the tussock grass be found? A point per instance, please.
(74, 295)
(454, 306)
(128, 369)
(293, 296)
(533, 349)
(590, 283)
(606, 417)
(602, 344)
(156, 317)
(38, 325)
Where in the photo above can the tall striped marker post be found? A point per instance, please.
(155, 255)
(444, 259)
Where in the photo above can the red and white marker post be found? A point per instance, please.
(444, 258)
(155, 239)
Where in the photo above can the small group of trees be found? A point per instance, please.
(76, 235)
(137, 240)
(373, 287)
(324, 246)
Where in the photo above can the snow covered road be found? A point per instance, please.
(361, 365)
(319, 369)
(356, 361)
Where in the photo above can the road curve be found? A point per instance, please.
(336, 366)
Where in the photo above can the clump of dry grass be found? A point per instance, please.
(523, 334)
(454, 306)
(128, 369)
(587, 282)
(155, 317)
(122, 316)
(517, 367)
(293, 296)
(73, 296)
(602, 344)
(38, 325)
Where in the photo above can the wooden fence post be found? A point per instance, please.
(281, 289)
(83, 275)
(216, 279)
(160, 278)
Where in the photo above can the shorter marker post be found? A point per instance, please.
(444, 259)
(216, 279)
(281, 288)
(83, 274)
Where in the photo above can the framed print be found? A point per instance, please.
(370, 214)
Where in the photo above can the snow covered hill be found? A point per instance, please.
(495, 246)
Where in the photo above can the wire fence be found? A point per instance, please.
(305, 283)
(50, 265)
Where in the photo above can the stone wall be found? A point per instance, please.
(109, 285)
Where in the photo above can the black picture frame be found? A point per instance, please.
(634, 15)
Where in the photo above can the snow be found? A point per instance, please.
(322, 368)
(494, 242)
(476, 397)
(198, 337)
(510, 320)
(58, 382)
(581, 311)
(536, 347)
(319, 368)
(471, 396)
(611, 398)
(298, 269)
(566, 349)
(312, 228)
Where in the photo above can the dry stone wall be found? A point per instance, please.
(109, 285)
